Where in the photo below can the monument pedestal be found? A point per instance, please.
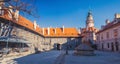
(84, 49)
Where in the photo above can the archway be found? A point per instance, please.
(58, 47)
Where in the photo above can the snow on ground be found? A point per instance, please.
(41, 58)
(100, 58)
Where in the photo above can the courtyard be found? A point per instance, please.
(53, 31)
(55, 57)
(100, 57)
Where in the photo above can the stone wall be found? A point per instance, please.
(40, 42)
(51, 43)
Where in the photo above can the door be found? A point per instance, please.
(102, 46)
(116, 45)
(112, 46)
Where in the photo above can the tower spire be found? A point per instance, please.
(89, 20)
(89, 12)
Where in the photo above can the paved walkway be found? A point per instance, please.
(100, 58)
(6, 59)
(60, 59)
(42, 58)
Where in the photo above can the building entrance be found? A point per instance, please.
(58, 47)
(116, 45)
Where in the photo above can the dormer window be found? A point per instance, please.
(54, 30)
(26, 24)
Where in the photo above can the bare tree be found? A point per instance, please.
(4, 0)
(23, 6)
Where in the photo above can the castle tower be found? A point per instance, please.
(89, 21)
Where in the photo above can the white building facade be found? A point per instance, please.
(108, 38)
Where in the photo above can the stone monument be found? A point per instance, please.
(84, 49)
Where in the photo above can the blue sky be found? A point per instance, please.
(72, 13)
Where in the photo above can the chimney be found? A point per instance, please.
(43, 31)
(63, 28)
(79, 30)
(107, 21)
(48, 30)
(16, 16)
(10, 11)
(117, 16)
(1, 10)
(35, 25)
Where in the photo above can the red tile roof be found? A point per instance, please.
(110, 25)
(62, 32)
(68, 32)
(23, 22)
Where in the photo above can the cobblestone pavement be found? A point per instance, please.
(101, 57)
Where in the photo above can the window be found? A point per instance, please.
(107, 35)
(46, 31)
(115, 32)
(108, 45)
(98, 38)
(54, 30)
(101, 37)
(102, 46)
